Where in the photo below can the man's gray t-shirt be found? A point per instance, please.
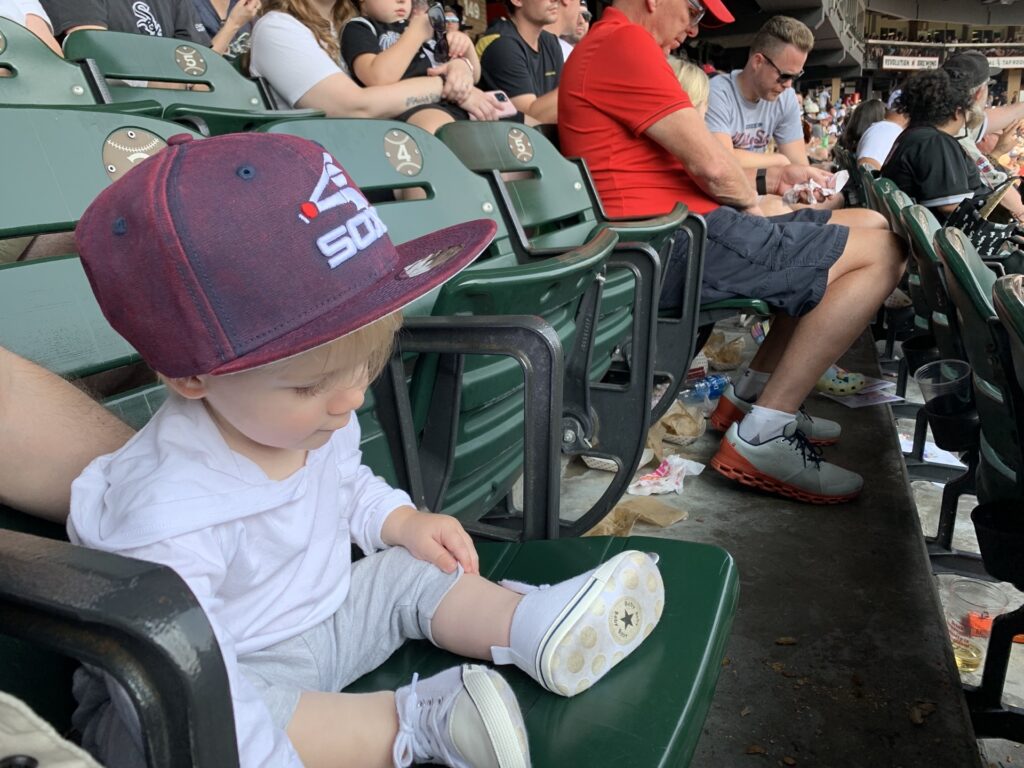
(752, 123)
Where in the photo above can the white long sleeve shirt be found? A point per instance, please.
(267, 559)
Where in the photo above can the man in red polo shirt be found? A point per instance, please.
(621, 108)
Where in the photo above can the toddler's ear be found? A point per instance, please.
(190, 387)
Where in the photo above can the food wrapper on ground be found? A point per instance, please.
(813, 192)
(683, 423)
(724, 355)
(655, 436)
(620, 521)
(607, 465)
(668, 477)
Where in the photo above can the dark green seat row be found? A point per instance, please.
(675, 677)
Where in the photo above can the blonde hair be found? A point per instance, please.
(326, 32)
(779, 31)
(366, 349)
(693, 80)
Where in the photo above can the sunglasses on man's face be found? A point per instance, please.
(697, 12)
(437, 16)
(784, 77)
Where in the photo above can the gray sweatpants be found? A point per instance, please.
(392, 598)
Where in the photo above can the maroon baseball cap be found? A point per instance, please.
(224, 254)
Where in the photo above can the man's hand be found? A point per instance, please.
(481, 106)
(458, 81)
(780, 180)
(1007, 139)
(244, 12)
(437, 539)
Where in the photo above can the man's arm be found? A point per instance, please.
(49, 431)
(543, 109)
(711, 165)
(38, 26)
(748, 159)
(795, 151)
(1000, 117)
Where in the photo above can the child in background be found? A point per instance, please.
(267, 319)
(393, 40)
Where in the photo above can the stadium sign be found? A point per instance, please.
(1006, 62)
(910, 62)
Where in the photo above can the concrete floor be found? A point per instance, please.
(864, 675)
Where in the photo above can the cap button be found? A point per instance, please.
(179, 138)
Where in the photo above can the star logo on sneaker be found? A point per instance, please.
(624, 620)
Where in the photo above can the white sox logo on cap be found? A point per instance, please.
(358, 233)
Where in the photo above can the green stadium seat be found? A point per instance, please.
(985, 340)
(550, 203)
(385, 157)
(228, 103)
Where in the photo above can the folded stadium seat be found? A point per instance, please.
(987, 345)
(555, 206)
(138, 621)
(229, 101)
(867, 176)
(672, 328)
(921, 227)
(896, 201)
(602, 420)
(36, 76)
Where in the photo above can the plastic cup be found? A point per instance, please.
(945, 385)
(970, 608)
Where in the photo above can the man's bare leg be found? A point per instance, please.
(858, 283)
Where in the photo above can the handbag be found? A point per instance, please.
(991, 229)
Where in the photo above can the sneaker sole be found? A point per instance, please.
(507, 740)
(729, 463)
(727, 414)
(607, 619)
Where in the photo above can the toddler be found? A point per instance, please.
(391, 42)
(268, 317)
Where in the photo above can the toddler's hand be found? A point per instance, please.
(437, 539)
(459, 44)
(420, 27)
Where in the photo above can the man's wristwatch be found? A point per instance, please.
(761, 181)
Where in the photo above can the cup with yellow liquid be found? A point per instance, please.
(970, 608)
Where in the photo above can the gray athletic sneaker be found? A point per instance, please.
(732, 408)
(788, 465)
(464, 717)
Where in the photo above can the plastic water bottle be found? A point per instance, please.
(704, 392)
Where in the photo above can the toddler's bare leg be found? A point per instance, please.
(334, 730)
(475, 615)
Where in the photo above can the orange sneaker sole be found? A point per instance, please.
(727, 414)
(729, 463)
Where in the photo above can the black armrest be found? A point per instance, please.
(139, 622)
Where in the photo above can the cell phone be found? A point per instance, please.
(508, 109)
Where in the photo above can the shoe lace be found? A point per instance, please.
(808, 450)
(414, 741)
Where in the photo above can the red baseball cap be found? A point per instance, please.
(719, 11)
(225, 254)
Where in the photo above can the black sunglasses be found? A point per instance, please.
(437, 15)
(783, 76)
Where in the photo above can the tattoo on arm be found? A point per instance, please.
(415, 101)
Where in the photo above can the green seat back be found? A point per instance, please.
(921, 225)
(895, 200)
(37, 74)
(549, 208)
(231, 102)
(867, 176)
(646, 712)
(56, 161)
(882, 187)
(970, 284)
(382, 156)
